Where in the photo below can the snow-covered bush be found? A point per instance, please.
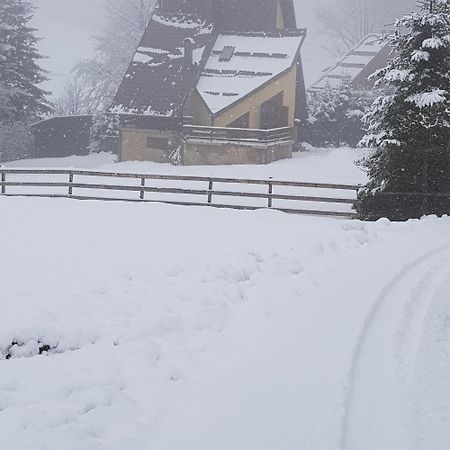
(410, 125)
(335, 116)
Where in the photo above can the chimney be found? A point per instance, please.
(188, 45)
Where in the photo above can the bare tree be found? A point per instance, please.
(346, 22)
(73, 101)
(114, 47)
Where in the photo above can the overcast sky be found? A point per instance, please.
(66, 26)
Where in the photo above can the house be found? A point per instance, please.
(368, 56)
(214, 82)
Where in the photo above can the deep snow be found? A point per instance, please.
(188, 328)
(173, 328)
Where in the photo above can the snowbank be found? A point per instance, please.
(170, 328)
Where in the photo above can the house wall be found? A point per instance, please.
(251, 105)
(198, 153)
(199, 111)
(134, 147)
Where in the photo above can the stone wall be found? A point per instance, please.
(198, 153)
(148, 145)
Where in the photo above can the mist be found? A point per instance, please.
(66, 29)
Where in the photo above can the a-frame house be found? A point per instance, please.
(214, 82)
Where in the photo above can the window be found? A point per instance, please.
(241, 122)
(227, 54)
(157, 143)
(274, 114)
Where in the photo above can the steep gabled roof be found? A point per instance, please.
(240, 64)
(252, 15)
(369, 55)
(158, 80)
(288, 9)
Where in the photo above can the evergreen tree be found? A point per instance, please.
(20, 74)
(336, 115)
(410, 124)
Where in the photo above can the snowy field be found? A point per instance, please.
(318, 165)
(335, 165)
(176, 328)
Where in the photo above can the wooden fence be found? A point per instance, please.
(21, 182)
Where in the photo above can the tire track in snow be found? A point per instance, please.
(365, 351)
(431, 399)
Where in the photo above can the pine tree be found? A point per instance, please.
(20, 74)
(410, 124)
(336, 115)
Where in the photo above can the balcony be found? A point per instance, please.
(243, 136)
(215, 145)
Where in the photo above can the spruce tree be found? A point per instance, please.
(336, 115)
(410, 124)
(20, 74)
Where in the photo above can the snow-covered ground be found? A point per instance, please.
(189, 328)
(334, 165)
(316, 165)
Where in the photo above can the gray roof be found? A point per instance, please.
(369, 55)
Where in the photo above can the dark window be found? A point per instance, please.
(273, 113)
(158, 143)
(227, 54)
(241, 122)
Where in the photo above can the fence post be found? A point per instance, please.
(210, 193)
(270, 193)
(3, 181)
(70, 184)
(142, 194)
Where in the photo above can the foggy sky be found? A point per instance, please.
(66, 26)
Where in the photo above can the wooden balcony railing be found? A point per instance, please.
(241, 135)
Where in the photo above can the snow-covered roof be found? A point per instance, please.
(157, 82)
(252, 61)
(354, 63)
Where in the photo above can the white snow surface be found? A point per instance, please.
(333, 165)
(189, 328)
(428, 99)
